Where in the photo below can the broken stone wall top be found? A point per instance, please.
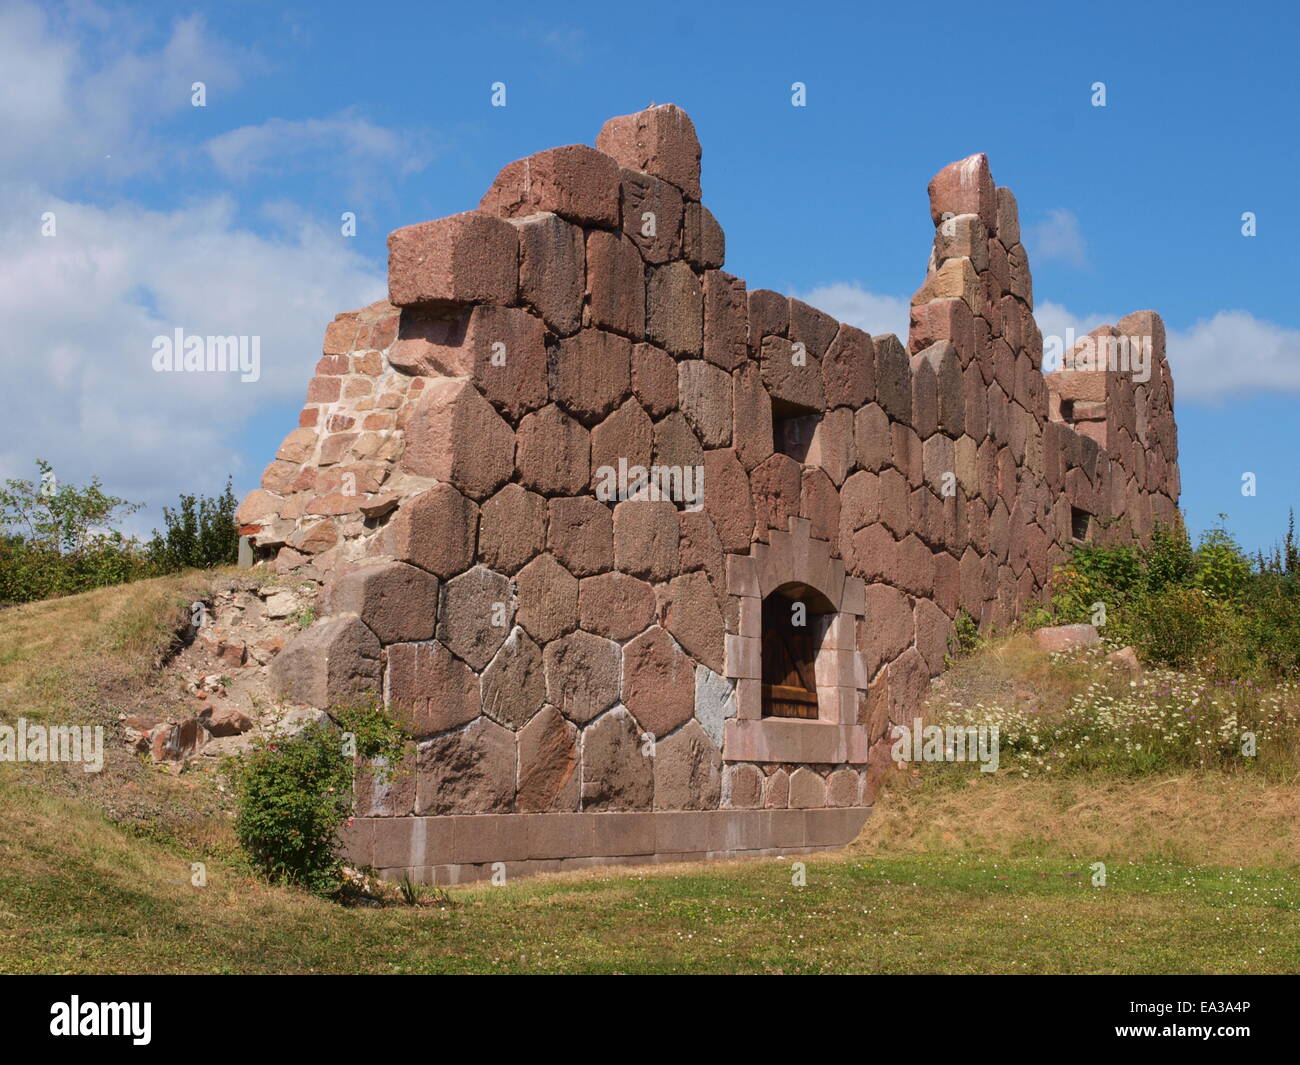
(442, 484)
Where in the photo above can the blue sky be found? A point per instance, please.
(225, 219)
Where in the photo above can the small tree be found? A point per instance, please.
(59, 539)
(200, 533)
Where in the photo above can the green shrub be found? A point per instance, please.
(60, 539)
(200, 533)
(294, 795)
(1206, 607)
(966, 634)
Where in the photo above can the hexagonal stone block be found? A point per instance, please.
(333, 662)
(820, 504)
(591, 373)
(676, 444)
(478, 611)
(615, 605)
(690, 613)
(832, 444)
(776, 790)
(688, 771)
(654, 379)
(468, 771)
(647, 538)
(548, 599)
(548, 764)
(700, 548)
(435, 530)
(777, 489)
(627, 437)
(581, 535)
(455, 435)
(893, 378)
(742, 787)
(651, 215)
(726, 320)
(615, 284)
(792, 375)
(582, 675)
(512, 528)
(617, 774)
(552, 265)
(887, 629)
(514, 683)
(675, 309)
(397, 601)
(704, 245)
(849, 369)
(658, 682)
(554, 455)
(705, 399)
(752, 425)
(842, 788)
(429, 689)
(807, 790)
(872, 439)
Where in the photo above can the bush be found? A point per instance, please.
(59, 539)
(294, 795)
(1205, 607)
(200, 534)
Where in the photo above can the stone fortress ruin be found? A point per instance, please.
(595, 668)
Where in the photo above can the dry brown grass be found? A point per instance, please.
(85, 659)
(1196, 819)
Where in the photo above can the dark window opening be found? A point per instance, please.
(795, 618)
(1080, 523)
(793, 428)
(1067, 410)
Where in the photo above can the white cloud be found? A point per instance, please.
(1232, 353)
(1056, 320)
(82, 91)
(850, 302)
(1058, 237)
(349, 143)
(81, 310)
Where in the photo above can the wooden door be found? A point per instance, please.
(789, 651)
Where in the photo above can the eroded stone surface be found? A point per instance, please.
(617, 773)
(583, 675)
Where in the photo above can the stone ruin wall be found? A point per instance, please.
(440, 486)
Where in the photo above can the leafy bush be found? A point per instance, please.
(1205, 607)
(294, 795)
(59, 539)
(200, 533)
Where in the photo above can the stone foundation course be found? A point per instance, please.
(564, 486)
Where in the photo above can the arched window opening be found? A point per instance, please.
(795, 620)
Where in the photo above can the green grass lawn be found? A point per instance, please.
(80, 895)
(985, 876)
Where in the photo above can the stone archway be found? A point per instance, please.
(835, 735)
